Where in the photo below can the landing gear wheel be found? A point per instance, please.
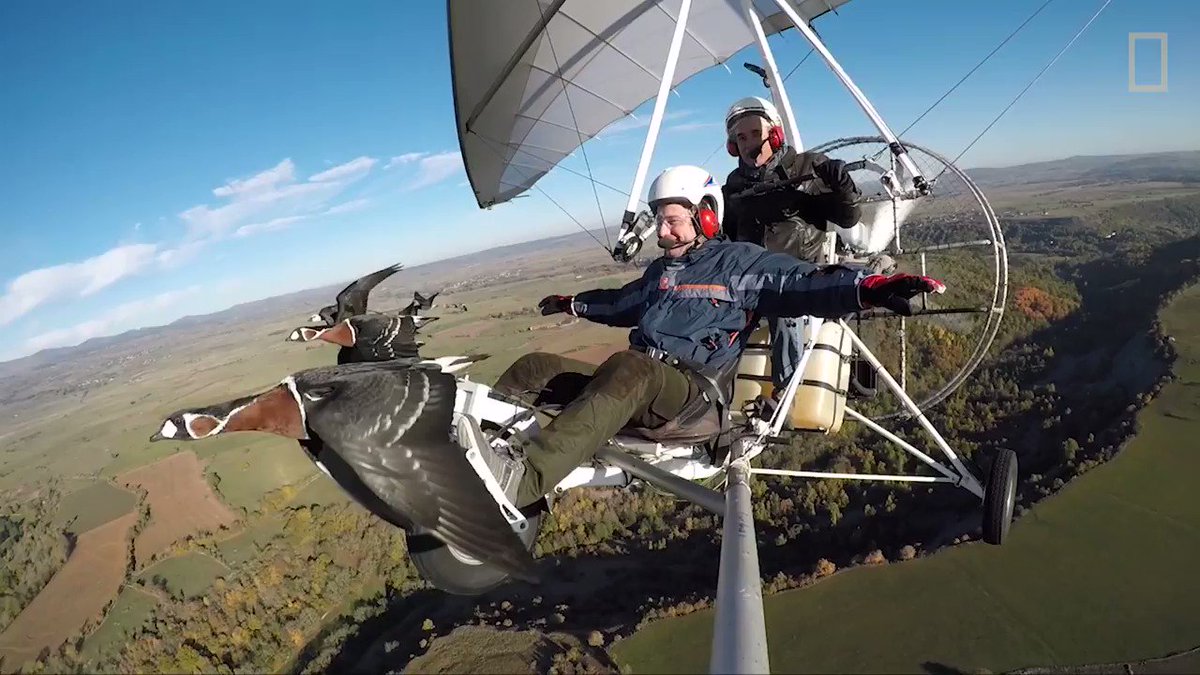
(1000, 497)
(457, 573)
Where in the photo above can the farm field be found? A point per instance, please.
(188, 575)
(77, 593)
(181, 503)
(132, 608)
(1092, 575)
(93, 505)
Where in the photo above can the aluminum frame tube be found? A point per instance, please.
(740, 628)
(660, 106)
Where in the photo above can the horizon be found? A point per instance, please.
(164, 149)
(408, 268)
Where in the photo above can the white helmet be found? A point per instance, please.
(753, 104)
(690, 185)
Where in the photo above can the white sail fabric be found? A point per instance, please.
(510, 60)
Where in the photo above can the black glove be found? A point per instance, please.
(894, 292)
(834, 173)
(555, 304)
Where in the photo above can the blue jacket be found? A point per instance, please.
(698, 307)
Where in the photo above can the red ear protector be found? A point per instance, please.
(706, 222)
(774, 139)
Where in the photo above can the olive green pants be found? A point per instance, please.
(629, 387)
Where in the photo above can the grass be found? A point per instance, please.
(188, 575)
(1097, 573)
(132, 608)
(243, 547)
(321, 491)
(262, 463)
(93, 505)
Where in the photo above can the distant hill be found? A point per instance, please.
(47, 363)
(1182, 166)
(1172, 167)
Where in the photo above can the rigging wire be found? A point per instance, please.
(968, 74)
(561, 208)
(487, 143)
(1028, 86)
(578, 133)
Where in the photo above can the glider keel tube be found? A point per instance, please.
(740, 628)
(696, 494)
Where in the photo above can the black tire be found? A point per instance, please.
(1000, 496)
(449, 571)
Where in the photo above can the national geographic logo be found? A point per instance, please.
(1148, 87)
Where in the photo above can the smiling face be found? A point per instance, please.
(749, 132)
(676, 230)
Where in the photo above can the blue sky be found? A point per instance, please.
(165, 159)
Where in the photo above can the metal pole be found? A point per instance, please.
(874, 426)
(898, 150)
(660, 105)
(854, 476)
(969, 480)
(740, 629)
(697, 494)
(777, 90)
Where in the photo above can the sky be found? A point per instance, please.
(169, 159)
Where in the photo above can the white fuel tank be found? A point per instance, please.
(754, 369)
(820, 403)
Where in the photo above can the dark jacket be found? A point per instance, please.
(791, 220)
(697, 307)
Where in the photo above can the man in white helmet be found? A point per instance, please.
(689, 314)
(790, 220)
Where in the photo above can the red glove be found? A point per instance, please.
(894, 292)
(554, 304)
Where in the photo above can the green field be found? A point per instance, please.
(260, 464)
(243, 547)
(132, 608)
(188, 575)
(1101, 572)
(94, 505)
(321, 491)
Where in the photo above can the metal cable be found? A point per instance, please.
(578, 133)
(1031, 83)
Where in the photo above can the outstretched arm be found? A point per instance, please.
(776, 284)
(621, 307)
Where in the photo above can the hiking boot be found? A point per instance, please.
(506, 463)
(767, 406)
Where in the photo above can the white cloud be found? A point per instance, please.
(694, 126)
(272, 225)
(350, 171)
(630, 123)
(270, 200)
(271, 195)
(264, 181)
(434, 169)
(347, 207)
(406, 158)
(123, 317)
(78, 279)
